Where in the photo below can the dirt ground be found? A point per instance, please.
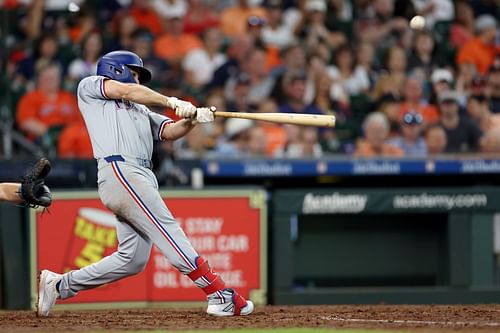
(422, 318)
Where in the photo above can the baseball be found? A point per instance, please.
(417, 22)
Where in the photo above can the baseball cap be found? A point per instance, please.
(256, 21)
(448, 96)
(236, 126)
(484, 22)
(412, 117)
(315, 5)
(441, 74)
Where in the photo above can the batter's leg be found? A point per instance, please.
(130, 258)
(147, 211)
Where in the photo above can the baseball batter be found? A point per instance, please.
(122, 130)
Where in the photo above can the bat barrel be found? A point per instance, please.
(283, 118)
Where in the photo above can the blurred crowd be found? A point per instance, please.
(403, 78)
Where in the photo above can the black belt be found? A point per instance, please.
(134, 160)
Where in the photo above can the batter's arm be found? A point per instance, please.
(177, 130)
(137, 93)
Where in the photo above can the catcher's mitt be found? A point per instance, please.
(33, 191)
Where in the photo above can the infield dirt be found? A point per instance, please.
(420, 318)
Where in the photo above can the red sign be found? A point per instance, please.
(226, 230)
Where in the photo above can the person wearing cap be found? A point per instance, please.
(410, 139)
(462, 134)
(239, 99)
(234, 19)
(441, 81)
(235, 141)
(294, 89)
(174, 44)
(480, 50)
(375, 138)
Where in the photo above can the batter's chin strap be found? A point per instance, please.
(215, 282)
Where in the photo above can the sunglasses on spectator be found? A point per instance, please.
(255, 21)
(413, 118)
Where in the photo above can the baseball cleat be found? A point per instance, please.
(47, 292)
(234, 304)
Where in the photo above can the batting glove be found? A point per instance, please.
(205, 115)
(183, 109)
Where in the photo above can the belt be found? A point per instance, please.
(133, 160)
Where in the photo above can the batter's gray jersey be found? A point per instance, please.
(117, 127)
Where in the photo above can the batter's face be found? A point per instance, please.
(135, 75)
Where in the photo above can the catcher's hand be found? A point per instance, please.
(34, 192)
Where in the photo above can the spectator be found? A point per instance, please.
(381, 28)
(374, 143)
(142, 45)
(414, 100)
(276, 33)
(275, 134)
(145, 14)
(239, 99)
(85, 65)
(434, 10)
(173, 45)
(411, 140)
(441, 81)
(313, 27)
(346, 81)
(236, 135)
(490, 142)
(47, 106)
(294, 89)
(194, 145)
(366, 62)
(199, 17)
(390, 106)
(423, 56)
(124, 26)
(435, 140)
(462, 29)
(257, 142)
(74, 141)
(233, 19)
(494, 86)
(200, 64)
(480, 50)
(392, 80)
(45, 52)
(479, 110)
(461, 133)
(261, 83)
(239, 48)
(303, 143)
(293, 60)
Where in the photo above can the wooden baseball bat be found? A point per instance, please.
(283, 118)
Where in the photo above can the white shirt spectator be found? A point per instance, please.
(440, 10)
(198, 62)
(176, 8)
(357, 83)
(280, 37)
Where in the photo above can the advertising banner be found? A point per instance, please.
(228, 228)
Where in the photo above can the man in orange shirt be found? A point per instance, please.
(173, 45)
(145, 16)
(376, 133)
(480, 50)
(74, 142)
(234, 19)
(47, 106)
(413, 101)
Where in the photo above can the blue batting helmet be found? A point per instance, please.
(117, 64)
